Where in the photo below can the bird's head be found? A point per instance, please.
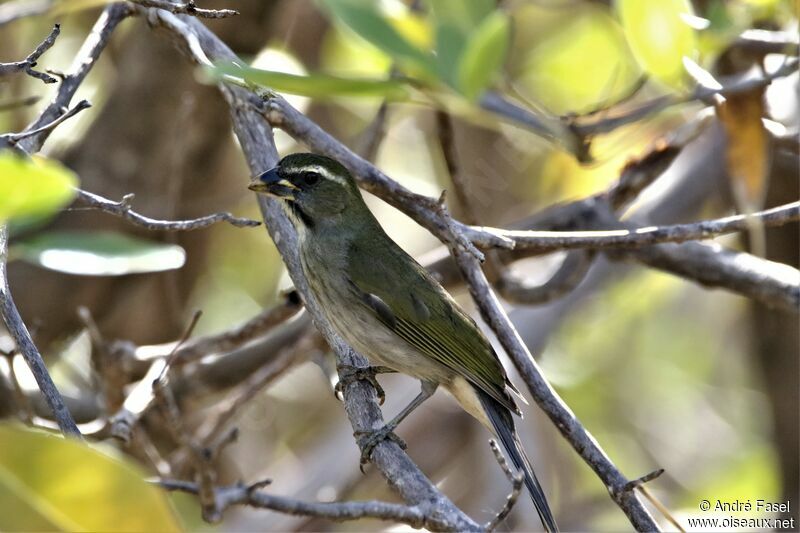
(314, 187)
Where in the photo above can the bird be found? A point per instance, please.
(389, 308)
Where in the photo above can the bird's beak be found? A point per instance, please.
(272, 184)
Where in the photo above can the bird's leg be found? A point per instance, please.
(349, 374)
(367, 440)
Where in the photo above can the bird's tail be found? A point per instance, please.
(503, 424)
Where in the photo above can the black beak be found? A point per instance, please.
(272, 184)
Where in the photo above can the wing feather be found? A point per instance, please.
(406, 299)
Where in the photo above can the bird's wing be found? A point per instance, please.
(417, 309)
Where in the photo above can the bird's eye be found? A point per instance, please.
(310, 178)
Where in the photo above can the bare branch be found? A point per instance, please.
(573, 431)
(776, 285)
(240, 494)
(550, 241)
(26, 347)
(188, 8)
(424, 209)
(29, 62)
(124, 209)
(370, 139)
(517, 480)
(572, 270)
(92, 47)
(13, 138)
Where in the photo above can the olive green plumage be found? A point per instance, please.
(387, 306)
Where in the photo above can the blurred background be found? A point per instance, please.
(664, 373)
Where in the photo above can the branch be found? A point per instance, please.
(573, 431)
(517, 480)
(777, 285)
(26, 347)
(124, 210)
(29, 62)
(423, 209)
(13, 138)
(92, 47)
(188, 8)
(250, 495)
(551, 241)
(570, 273)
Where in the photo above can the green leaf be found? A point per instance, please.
(98, 253)
(484, 54)
(455, 21)
(49, 483)
(33, 187)
(660, 37)
(362, 17)
(315, 85)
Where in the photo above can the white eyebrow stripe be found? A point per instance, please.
(322, 171)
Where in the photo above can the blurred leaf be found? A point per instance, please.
(98, 253)
(581, 66)
(50, 483)
(362, 17)
(316, 85)
(659, 36)
(455, 20)
(746, 151)
(33, 187)
(484, 54)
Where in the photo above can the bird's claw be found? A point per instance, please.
(349, 374)
(367, 440)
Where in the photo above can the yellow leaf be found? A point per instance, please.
(33, 187)
(746, 151)
(51, 483)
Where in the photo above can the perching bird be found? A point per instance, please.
(387, 306)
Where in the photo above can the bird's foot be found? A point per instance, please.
(349, 374)
(367, 440)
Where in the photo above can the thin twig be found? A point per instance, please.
(26, 347)
(29, 62)
(85, 59)
(550, 241)
(370, 139)
(517, 480)
(250, 495)
(124, 209)
(570, 273)
(14, 138)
